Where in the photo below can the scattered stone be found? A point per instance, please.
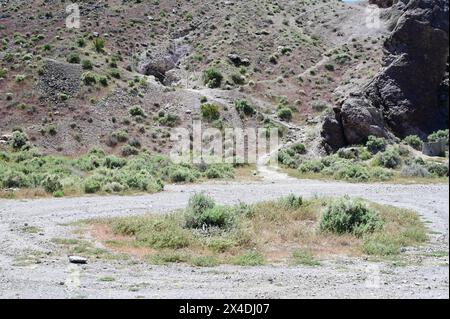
(77, 260)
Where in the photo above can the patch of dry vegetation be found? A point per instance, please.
(289, 230)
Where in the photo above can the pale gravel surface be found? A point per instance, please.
(424, 277)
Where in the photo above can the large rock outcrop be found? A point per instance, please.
(408, 95)
(383, 3)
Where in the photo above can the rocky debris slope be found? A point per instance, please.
(59, 78)
(406, 96)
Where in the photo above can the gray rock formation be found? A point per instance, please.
(161, 60)
(407, 96)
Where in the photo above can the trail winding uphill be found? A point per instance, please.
(340, 277)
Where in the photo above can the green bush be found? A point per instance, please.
(218, 216)
(181, 174)
(285, 114)
(128, 150)
(442, 134)
(169, 119)
(212, 78)
(99, 44)
(298, 148)
(115, 74)
(437, 169)
(114, 187)
(73, 58)
(390, 158)
(121, 136)
(349, 216)
(52, 184)
(210, 112)
(88, 78)
(238, 79)
(352, 172)
(243, 107)
(219, 171)
(382, 174)
(103, 80)
(203, 212)
(18, 140)
(137, 111)
(92, 185)
(199, 203)
(86, 64)
(414, 141)
(375, 144)
(311, 166)
(114, 162)
(14, 179)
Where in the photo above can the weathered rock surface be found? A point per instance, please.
(161, 60)
(383, 3)
(406, 97)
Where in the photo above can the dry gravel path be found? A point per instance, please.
(50, 275)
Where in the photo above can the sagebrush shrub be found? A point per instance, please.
(285, 114)
(137, 111)
(210, 112)
(375, 144)
(390, 158)
(18, 140)
(212, 78)
(437, 169)
(442, 134)
(414, 141)
(349, 216)
(415, 170)
(52, 184)
(202, 211)
(243, 107)
(314, 166)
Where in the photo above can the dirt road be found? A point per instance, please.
(51, 275)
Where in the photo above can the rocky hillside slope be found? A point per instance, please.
(409, 95)
(72, 89)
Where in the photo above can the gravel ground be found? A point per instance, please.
(49, 274)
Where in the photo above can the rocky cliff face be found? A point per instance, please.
(408, 95)
(383, 3)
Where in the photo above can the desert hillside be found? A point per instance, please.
(72, 89)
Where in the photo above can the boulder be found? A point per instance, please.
(161, 60)
(237, 60)
(77, 260)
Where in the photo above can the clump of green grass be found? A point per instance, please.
(249, 258)
(304, 257)
(205, 261)
(291, 202)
